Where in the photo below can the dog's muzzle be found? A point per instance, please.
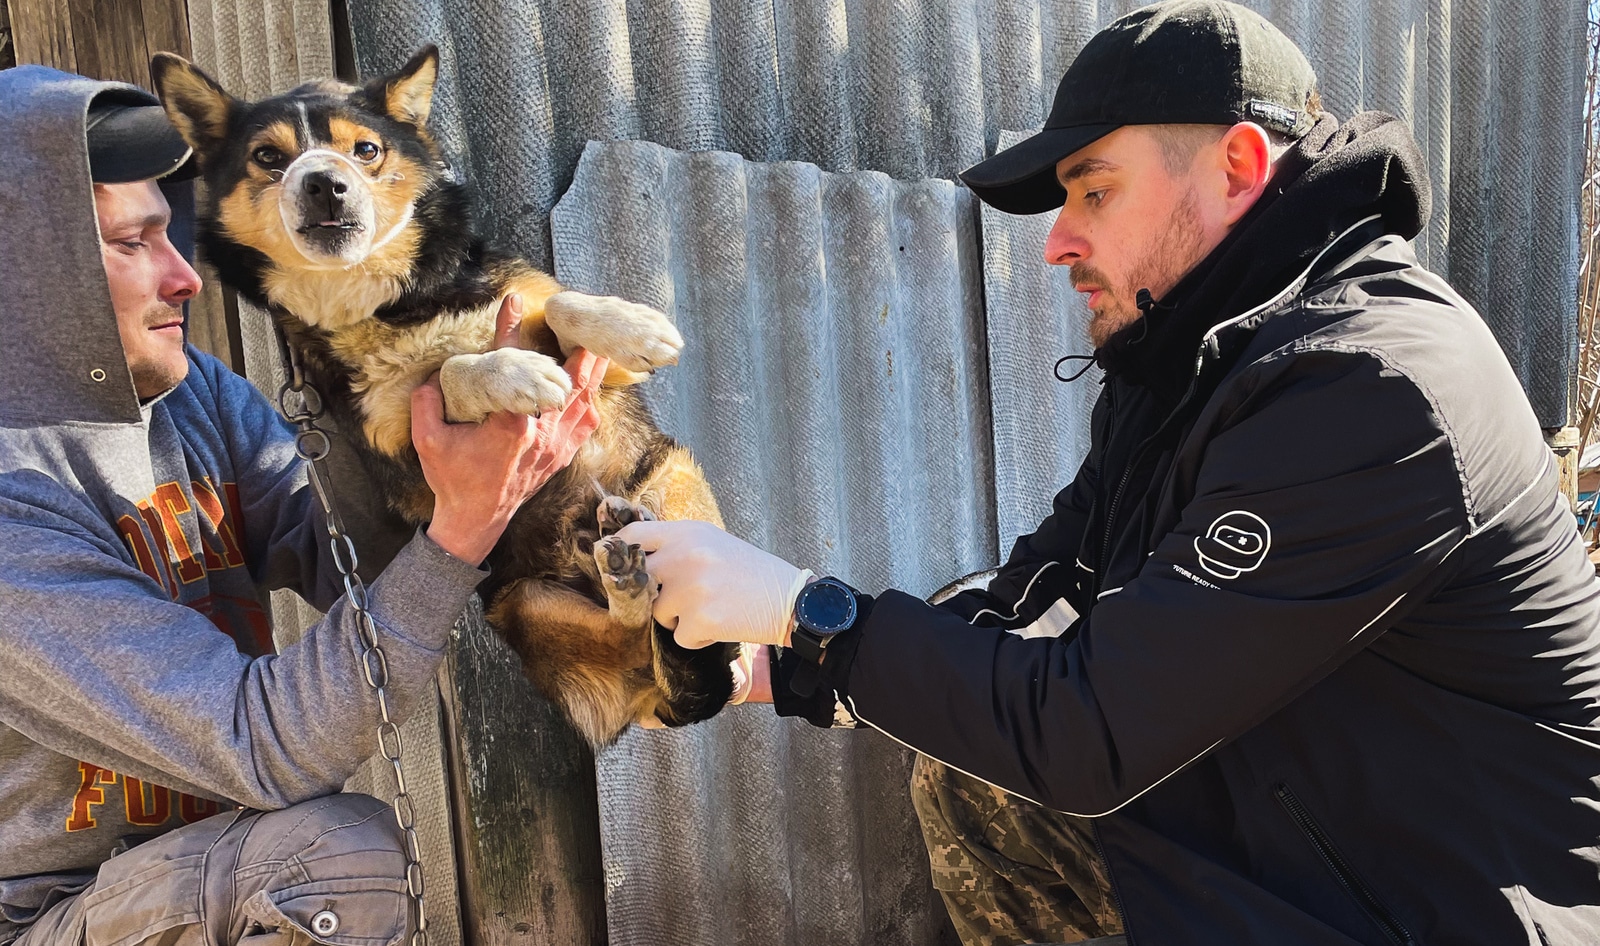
(326, 205)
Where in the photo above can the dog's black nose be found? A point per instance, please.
(326, 191)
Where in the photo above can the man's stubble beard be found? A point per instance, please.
(1173, 251)
(155, 373)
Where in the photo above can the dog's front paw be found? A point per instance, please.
(633, 336)
(616, 512)
(508, 379)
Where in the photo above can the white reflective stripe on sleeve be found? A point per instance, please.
(1052, 623)
(841, 715)
(1016, 608)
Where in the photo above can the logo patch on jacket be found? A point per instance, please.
(1236, 543)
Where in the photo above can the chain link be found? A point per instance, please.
(302, 405)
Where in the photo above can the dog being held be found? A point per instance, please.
(330, 207)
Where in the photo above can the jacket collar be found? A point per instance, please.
(1336, 177)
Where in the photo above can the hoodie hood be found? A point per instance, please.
(72, 430)
(1331, 179)
(61, 358)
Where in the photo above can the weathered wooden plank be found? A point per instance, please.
(526, 805)
(108, 37)
(166, 27)
(41, 31)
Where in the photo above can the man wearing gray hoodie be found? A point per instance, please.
(164, 775)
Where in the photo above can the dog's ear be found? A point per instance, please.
(407, 95)
(196, 105)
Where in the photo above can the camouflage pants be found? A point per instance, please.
(1010, 871)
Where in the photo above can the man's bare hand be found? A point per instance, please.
(481, 473)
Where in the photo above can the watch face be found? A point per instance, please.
(827, 606)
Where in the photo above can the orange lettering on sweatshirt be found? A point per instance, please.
(148, 815)
(192, 809)
(170, 503)
(90, 794)
(230, 555)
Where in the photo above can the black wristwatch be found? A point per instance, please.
(822, 611)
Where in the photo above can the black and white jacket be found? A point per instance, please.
(1331, 669)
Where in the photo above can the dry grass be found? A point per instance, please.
(1589, 264)
(1588, 386)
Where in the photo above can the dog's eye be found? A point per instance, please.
(268, 157)
(366, 151)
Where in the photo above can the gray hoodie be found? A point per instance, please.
(137, 691)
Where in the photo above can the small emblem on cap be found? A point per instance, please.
(1273, 115)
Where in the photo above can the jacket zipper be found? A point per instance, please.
(1392, 928)
(1111, 878)
(1207, 343)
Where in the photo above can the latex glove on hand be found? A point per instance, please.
(715, 587)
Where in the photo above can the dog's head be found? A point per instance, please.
(324, 177)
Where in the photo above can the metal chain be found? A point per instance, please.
(302, 405)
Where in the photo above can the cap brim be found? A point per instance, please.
(1022, 178)
(136, 143)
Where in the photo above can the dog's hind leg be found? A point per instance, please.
(694, 684)
(627, 584)
(677, 489)
(578, 655)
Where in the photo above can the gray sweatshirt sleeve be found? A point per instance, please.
(285, 533)
(100, 664)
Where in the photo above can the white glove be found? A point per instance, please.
(715, 587)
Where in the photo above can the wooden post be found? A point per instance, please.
(527, 811)
(114, 40)
(1563, 443)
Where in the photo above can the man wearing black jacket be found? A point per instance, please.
(1309, 650)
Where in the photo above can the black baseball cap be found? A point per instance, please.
(130, 139)
(1181, 62)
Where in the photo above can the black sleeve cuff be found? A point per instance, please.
(800, 688)
(815, 706)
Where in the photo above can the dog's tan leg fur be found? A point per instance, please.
(585, 658)
(677, 489)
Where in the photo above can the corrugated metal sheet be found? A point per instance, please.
(1041, 423)
(254, 49)
(923, 89)
(835, 391)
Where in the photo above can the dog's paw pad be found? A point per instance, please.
(621, 566)
(633, 336)
(615, 512)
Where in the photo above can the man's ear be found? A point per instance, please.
(196, 105)
(1246, 156)
(407, 95)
